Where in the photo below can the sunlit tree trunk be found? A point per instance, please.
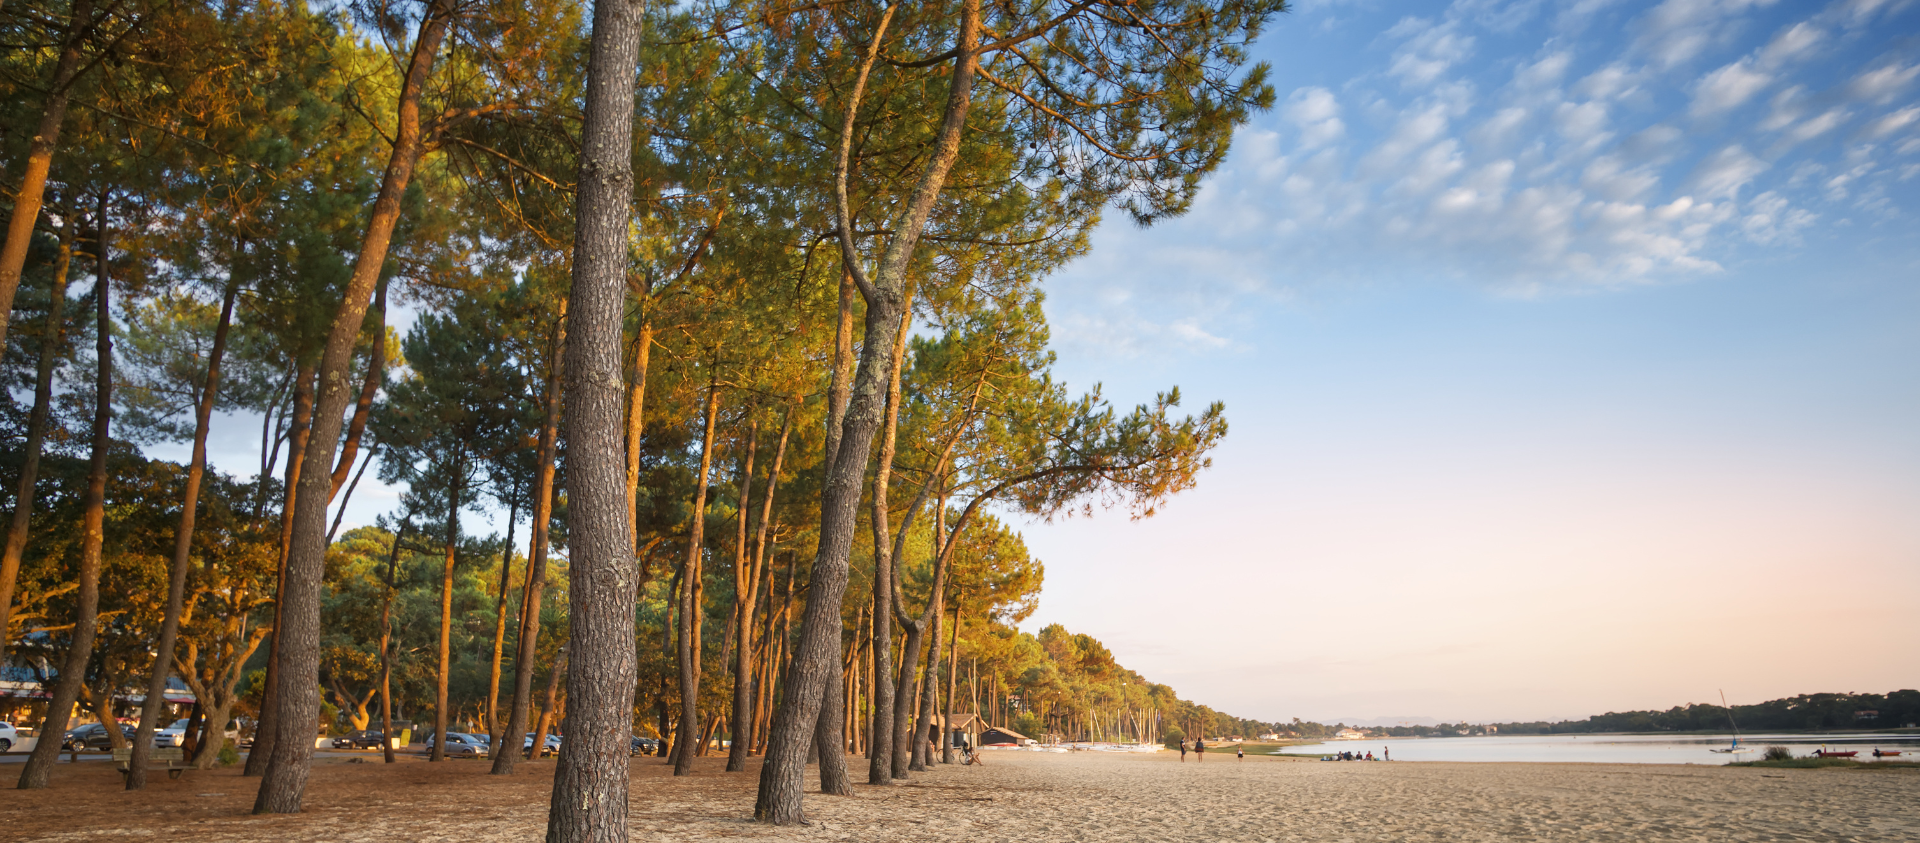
(296, 688)
(46, 137)
(73, 673)
(590, 787)
(51, 341)
(268, 729)
(500, 616)
(687, 645)
(535, 583)
(779, 798)
(386, 641)
(444, 671)
(182, 547)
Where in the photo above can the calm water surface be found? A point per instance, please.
(1610, 749)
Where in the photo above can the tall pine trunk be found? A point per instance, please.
(296, 688)
(590, 787)
(743, 699)
(73, 673)
(687, 646)
(535, 583)
(892, 703)
(386, 641)
(500, 617)
(51, 340)
(740, 626)
(302, 417)
(636, 420)
(444, 673)
(182, 547)
(816, 664)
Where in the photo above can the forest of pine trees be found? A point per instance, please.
(704, 341)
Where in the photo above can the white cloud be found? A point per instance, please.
(1771, 219)
(1724, 172)
(1545, 73)
(1584, 125)
(1787, 106)
(1882, 83)
(1608, 177)
(1890, 123)
(1609, 83)
(1677, 31)
(1808, 130)
(1728, 88)
(1500, 130)
(1316, 113)
(1429, 52)
(1792, 43)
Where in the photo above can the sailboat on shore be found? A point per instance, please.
(1735, 748)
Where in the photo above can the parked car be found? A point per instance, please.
(460, 745)
(92, 736)
(176, 734)
(360, 739)
(552, 747)
(8, 736)
(646, 746)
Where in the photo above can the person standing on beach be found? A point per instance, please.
(1199, 749)
(1241, 752)
(1386, 753)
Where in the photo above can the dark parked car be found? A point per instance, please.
(646, 746)
(360, 739)
(93, 736)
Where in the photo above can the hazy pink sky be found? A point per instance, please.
(1605, 451)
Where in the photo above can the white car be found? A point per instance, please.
(176, 734)
(8, 736)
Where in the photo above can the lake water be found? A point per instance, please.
(1610, 749)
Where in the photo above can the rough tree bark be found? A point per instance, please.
(535, 583)
(687, 643)
(296, 688)
(779, 798)
(590, 786)
(891, 703)
(51, 340)
(182, 547)
(953, 682)
(301, 417)
(73, 673)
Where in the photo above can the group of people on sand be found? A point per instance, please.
(1200, 751)
(1385, 755)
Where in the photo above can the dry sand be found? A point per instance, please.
(1021, 796)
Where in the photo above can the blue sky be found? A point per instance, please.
(1572, 353)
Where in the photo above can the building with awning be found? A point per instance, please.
(1001, 736)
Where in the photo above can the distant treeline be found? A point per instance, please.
(1807, 711)
(1810, 712)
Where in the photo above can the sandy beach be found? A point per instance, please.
(1022, 796)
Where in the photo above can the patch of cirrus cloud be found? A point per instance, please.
(1660, 154)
